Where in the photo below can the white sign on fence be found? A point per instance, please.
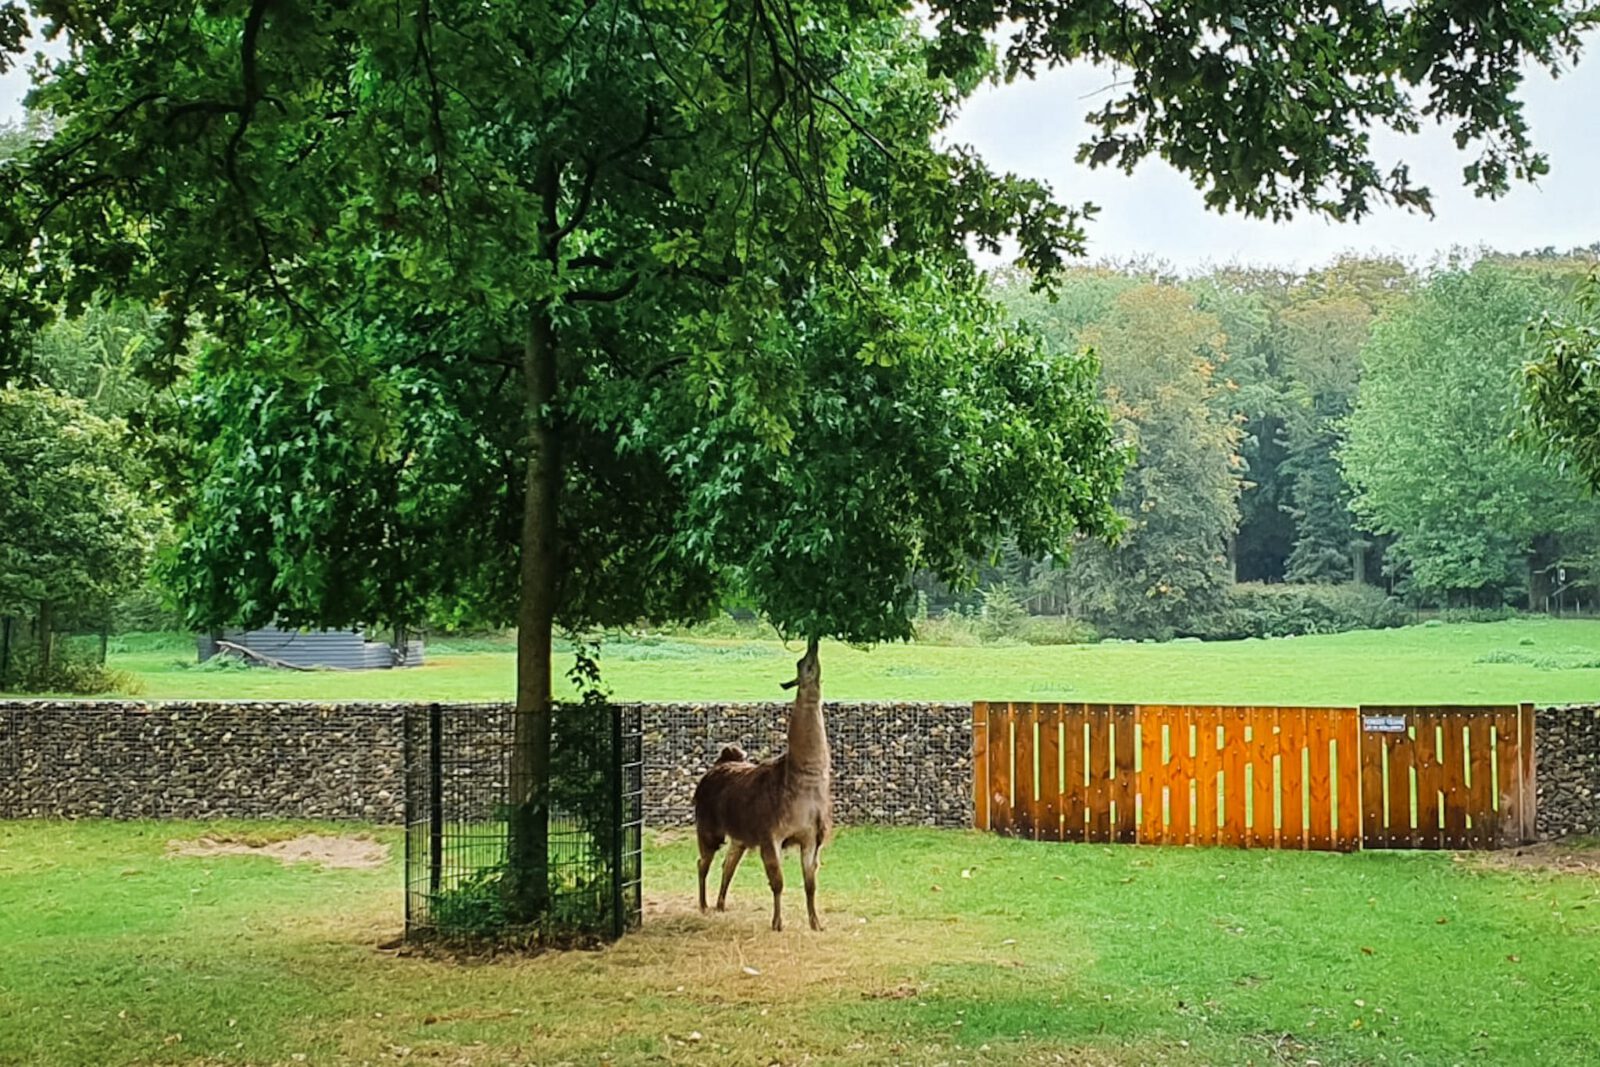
(1383, 724)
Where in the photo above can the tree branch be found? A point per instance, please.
(604, 296)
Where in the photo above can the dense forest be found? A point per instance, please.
(1312, 450)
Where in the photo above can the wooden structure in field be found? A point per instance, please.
(1263, 777)
(345, 650)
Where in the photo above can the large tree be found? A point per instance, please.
(460, 324)
(1161, 359)
(1322, 328)
(76, 534)
(595, 200)
(1561, 383)
(1429, 455)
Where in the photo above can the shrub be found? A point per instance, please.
(71, 670)
(1003, 615)
(952, 631)
(1057, 630)
(1495, 614)
(1257, 610)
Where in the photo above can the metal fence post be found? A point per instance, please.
(618, 920)
(435, 798)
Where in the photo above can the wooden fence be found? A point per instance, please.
(1268, 777)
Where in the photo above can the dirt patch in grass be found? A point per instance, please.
(327, 850)
(1578, 855)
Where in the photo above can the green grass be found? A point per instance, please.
(941, 947)
(1541, 660)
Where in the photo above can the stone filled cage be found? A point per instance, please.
(458, 767)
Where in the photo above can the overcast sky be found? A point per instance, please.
(1033, 128)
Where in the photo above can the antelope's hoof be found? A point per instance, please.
(777, 926)
(816, 924)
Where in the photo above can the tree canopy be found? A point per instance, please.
(1429, 453)
(1561, 383)
(77, 533)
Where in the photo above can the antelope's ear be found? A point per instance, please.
(790, 684)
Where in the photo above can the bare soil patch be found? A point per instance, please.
(324, 849)
(1572, 856)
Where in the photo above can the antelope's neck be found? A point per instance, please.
(808, 734)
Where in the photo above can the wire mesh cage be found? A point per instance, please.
(462, 880)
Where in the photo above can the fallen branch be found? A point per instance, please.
(265, 660)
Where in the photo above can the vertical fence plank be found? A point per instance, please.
(1153, 778)
(1124, 782)
(1075, 754)
(1206, 767)
(1376, 828)
(1508, 775)
(1002, 719)
(1099, 773)
(1428, 830)
(1347, 741)
(980, 765)
(1022, 770)
(1452, 757)
(1527, 756)
(1047, 820)
(1402, 761)
(1180, 778)
(1291, 749)
(1264, 782)
(1319, 829)
(1230, 826)
(1483, 829)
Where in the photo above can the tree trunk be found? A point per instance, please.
(528, 846)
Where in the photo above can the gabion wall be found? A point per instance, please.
(898, 764)
(1568, 743)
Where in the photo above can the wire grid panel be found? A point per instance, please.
(458, 788)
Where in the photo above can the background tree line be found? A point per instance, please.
(1312, 450)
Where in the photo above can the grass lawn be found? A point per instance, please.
(1542, 660)
(942, 947)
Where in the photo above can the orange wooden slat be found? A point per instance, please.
(1402, 759)
(1047, 817)
(1001, 721)
(1528, 747)
(1124, 781)
(1427, 832)
(1453, 759)
(1206, 766)
(1074, 755)
(1023, 807)
(1099, 773)
(1319, 830)
(1508, 775)
(1291, 743)
(1347, 739)
(1180, 778)
(1231, 829)
(1263, 785)
(1484, 829)
(1152, 779)
(1375, 830)
(980, 765)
